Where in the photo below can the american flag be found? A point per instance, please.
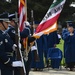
(22, 13)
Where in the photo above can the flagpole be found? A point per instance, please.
(18, 49)
(35, 52)
(26, 9)
(32, 22)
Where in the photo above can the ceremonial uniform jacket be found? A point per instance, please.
(6, 51)
(11, 32)
(27, 33)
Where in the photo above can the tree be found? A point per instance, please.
(8, 7)
(39, 7)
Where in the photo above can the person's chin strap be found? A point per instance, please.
(3, 25)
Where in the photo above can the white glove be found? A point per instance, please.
(20, 45)
(17, 64)
(33, 48)
(71, 34)
(14, 47)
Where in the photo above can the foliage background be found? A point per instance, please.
(40, 7)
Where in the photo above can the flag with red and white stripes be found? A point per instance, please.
(22, 13)
(49, 22)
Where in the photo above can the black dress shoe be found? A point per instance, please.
(40, 69)
(71, 69)
(35, 69)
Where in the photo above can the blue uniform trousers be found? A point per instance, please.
(28, 63)
(7, 71)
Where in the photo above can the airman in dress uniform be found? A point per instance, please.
(6, 51)
(11, 27)
(12, 33)
(26, 33)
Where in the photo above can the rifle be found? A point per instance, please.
(18, 49)
(32, 32)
